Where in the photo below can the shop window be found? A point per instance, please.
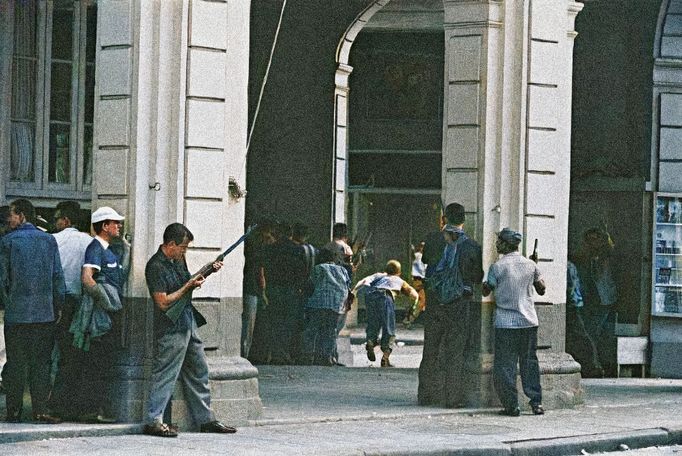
(52, 98)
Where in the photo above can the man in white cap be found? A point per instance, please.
(513, 278)
(102, 264)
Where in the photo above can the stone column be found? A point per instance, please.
(506, 157)
(171, 146)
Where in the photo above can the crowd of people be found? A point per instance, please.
(296, 297)
(63, 292)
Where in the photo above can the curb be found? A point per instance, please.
(593, 443)
(43, 432)
(372, 417)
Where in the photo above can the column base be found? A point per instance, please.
(234, 394)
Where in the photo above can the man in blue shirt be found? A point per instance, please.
(101, 264)
(32, 288)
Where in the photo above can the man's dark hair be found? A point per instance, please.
(281, 230)
(300, 232)
(177, 232)
(505, 247)
(454, 212)
(97, 227)
(339, 230)
(70, 210)
(327, 256)
(4, 213)
(25, 207)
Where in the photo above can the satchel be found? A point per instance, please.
(448, 284)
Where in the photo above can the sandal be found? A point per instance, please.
(160, 430)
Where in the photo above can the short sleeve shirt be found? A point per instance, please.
(512, 278)
(106, 263)
(164, 275)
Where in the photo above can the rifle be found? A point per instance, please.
(534, 256)
(207, 269)
(176, 309)
(360, 250)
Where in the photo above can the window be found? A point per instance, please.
(52, 98)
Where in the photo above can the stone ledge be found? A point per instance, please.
(230, 368)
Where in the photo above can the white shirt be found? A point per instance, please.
(418, 268)
(512, 278)
(72, 244)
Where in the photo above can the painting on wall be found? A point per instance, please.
(404, 87)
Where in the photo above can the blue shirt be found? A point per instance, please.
(99, 257)
(332, 283)
(31, 276)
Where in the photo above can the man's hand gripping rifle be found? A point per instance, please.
(175, 311)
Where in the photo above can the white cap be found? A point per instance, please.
(105, 213)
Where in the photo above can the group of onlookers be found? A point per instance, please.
(292, 288)
(44, 279)
(63, 293)
(67, 288)
(296, 297)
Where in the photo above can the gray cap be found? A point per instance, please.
(510, 236)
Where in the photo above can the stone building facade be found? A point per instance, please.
(162, 96)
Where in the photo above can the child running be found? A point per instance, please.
(381, 290)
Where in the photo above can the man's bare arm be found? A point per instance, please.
(164, 300)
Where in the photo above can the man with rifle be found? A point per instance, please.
(179, 351)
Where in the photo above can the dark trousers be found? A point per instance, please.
(380, 317)
(29, 356)
(443, 377)
(580, 344)
(85, 379)
(319, 337)
(514, 346)
(99, 373)
(286, 322)
(65, 400)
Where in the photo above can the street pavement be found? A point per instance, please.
(337, 411)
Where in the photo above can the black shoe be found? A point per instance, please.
(44, 418)
(96, 418)
(538, 409)
(13, 417)
(510, 412)
(160, 430)
(369, 346)
(216, 427)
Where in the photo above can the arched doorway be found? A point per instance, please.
(394, 131)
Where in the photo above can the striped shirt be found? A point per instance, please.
(332, 283)
(512, 278)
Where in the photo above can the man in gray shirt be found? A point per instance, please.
(513, 279)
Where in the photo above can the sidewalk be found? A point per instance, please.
(371, 411)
